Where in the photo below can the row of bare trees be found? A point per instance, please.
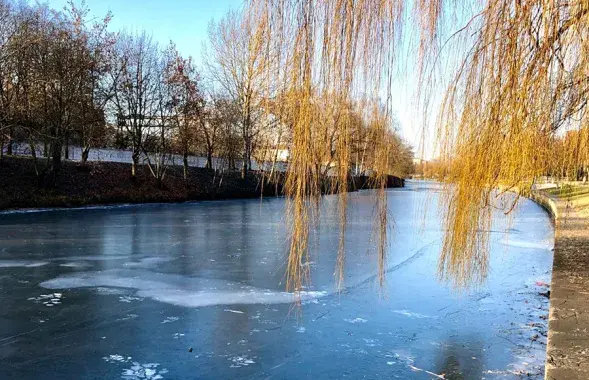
(51, 65)
(65, 79)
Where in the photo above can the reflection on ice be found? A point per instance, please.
(179, 290)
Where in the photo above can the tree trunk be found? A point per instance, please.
(85, 154)
(185, 160)
(56, 156)
(245, 167)
(135, 157)
(34, 156)
(67, 148)
(209, 159)
(35, 164)
(9, 147)
(134, 165)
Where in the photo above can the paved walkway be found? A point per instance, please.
(567, 355)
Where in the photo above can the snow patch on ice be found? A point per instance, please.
(148, 371)
(170, 320)
(411, 314)
(234, 311)
(91, 258)
(48, 300)
(543, 244)
(179, 290)
(240, 361)
(22, 264)
(148, 262)
(356, 320)
(116, 358)
(129, 299)
(76, 265)
(111, 292)
(370, 342)
(127, 317)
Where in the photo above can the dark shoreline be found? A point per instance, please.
(111, 184)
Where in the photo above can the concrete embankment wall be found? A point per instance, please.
(567, 351)
(548, 203)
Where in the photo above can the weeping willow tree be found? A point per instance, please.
(524, 82)
(327, 56)
(519, 77)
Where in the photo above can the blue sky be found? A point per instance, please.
(183, 21)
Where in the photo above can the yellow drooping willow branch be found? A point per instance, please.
(329, 57)
(520, 83)
(523, 84)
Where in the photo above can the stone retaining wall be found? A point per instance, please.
(567, 351)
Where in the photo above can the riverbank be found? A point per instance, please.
(567, 352)
(105, 183)
(100, 183)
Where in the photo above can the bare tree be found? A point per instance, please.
(239, 64)
(225, 114)
(211, 126)
(90, 125)
(156, 146)
(46, 78)
(7, 32)
(135, 78)
(186, 103)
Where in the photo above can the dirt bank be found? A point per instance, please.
(111, 183)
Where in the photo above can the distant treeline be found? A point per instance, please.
(66, 79)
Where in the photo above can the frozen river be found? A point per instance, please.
(195, 291)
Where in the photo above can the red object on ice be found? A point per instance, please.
(541, 283)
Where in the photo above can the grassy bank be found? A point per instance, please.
(100, 183)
